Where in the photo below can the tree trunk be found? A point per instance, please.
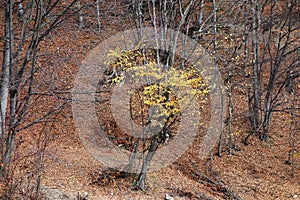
(255, 112)
(5, 78)
(98, 16)
(142, 177)
(80, 17)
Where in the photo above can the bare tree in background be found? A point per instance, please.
(27, 25)
(274, 51)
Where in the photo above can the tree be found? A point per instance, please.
(163, 17)
(27, 25)
(275, 57)
(156, 106)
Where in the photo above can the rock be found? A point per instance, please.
(55, 194)
(168, 197)
(295, 196)
(83, 196)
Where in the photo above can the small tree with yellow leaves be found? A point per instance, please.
(156, 102)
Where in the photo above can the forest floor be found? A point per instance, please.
(254, 171)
